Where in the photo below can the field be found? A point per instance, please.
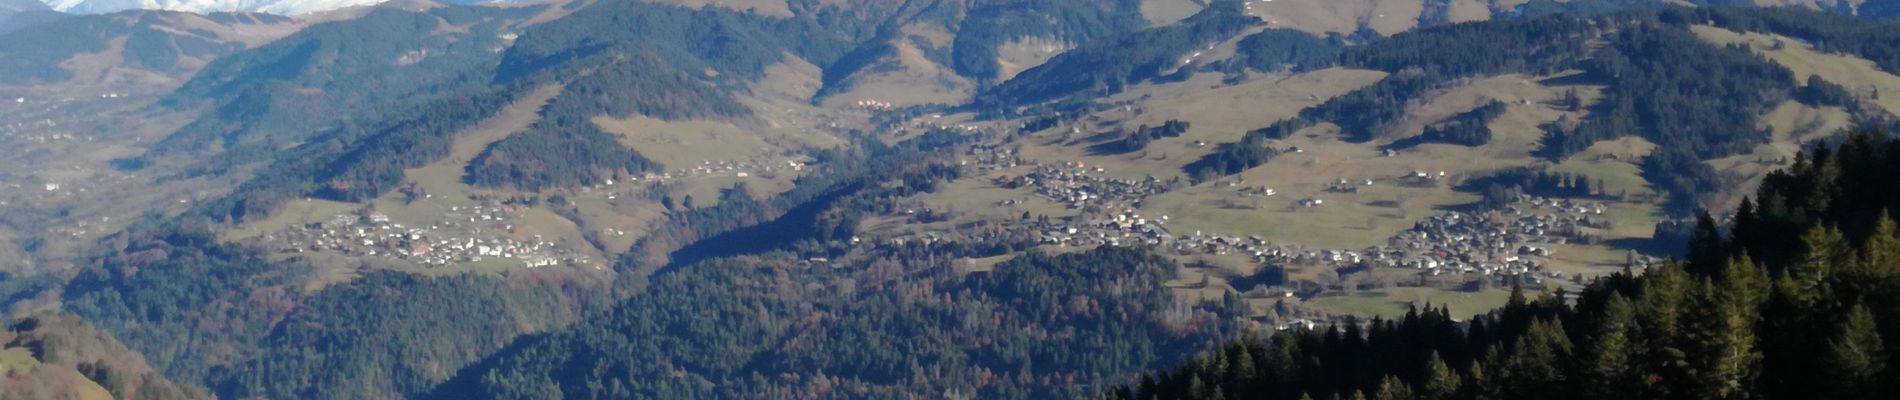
(1220, 114)
(1394, 302)
(1857, 74)
(984, 264)
(1166, 12)
(1792, 123)
(913, 79)
(1613, 162)
(1357, 220)
(17, 359)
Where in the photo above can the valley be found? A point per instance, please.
(872, 199)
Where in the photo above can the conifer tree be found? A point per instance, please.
(1536, 363)
(1856, 357)
(1659, 314)
(1707, 248)
(1391, 388)
(1441, 383)
(1611, 353)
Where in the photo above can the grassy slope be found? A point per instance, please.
(1793, 123)
(42, 362)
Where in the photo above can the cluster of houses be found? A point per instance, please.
(740, 169)
(466, 235)
(935, 122)
(1513, 242)
(1516, 240)
(38, 132)
(874, 105)
(1123, 228)
(1078, 186)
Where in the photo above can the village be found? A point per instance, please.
(490, 232)
(464, 235)
(1512, 243)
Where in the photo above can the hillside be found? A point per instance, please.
(16, 14)
(932, 198)
(53, 356)
(1722, 324)
(137, 49)
(274, 7)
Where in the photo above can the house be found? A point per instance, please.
(1298, 325)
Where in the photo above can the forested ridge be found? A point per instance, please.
(894, 323)
(1106, 67)
(1798, 297)
(228, 317)
(1697, 101)
(332, 76)
(152, 40)
(987, 25)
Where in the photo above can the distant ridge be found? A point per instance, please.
(280, 7)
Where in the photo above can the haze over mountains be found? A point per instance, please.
(937, 198)
(281, 7)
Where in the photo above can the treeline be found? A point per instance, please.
(1139, 139)
(1847, 187)
(359, 162)
(1877, 41)
(1502, 188)
(893, 323)
(1681, 176)
(987, 25)
(1677, 91)
(1699, 101)
(1287, 50)
(1108, 66)
(1800, 301)
(1471, 128)
(979, 29)
(742, 224)
(1420, 62)
(1427, 60)
(1232, 158)
(626, 58)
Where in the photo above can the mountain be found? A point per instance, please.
(136, 48)
(16, 14)
(945, 198)
(280, 7)
(10, 7)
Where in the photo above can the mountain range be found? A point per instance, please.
(279, 7)
(947, 198)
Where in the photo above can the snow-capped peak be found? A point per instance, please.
(282, 7)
